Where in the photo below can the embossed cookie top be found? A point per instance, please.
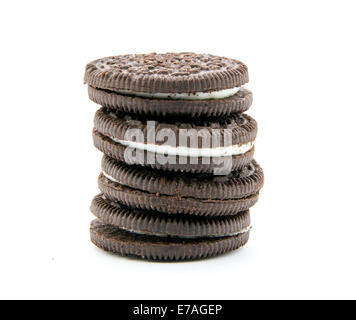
(166, 73)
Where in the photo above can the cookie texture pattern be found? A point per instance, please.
(157, 224)
(178, 175)
(128, 244)
(184, 72)
(238, 103)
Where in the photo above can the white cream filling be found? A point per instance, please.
(220, 94)
(189, 237)
(232, 150)
(110, 178)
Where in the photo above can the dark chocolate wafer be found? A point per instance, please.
(184, 193)
(158, 224)
(116, 240)
(239, 102)
(115, 124)
(166, 73)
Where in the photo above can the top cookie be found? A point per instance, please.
(168, 73)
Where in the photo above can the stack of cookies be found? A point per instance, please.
(178, 175)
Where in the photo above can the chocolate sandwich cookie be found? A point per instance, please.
(237, 103)
(153, 223)
(185, 193)
(169, 84)
(124, 243)
(178, 175)
(172, 143)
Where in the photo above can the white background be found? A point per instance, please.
(302, 62)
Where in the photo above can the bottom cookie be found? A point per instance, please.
(124, 243)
